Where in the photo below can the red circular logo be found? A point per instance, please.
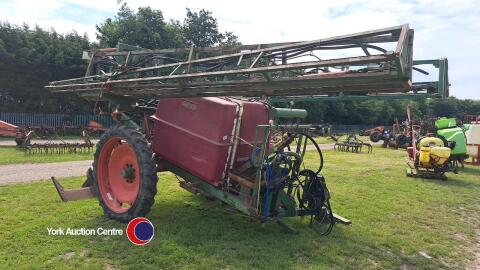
(140, 231)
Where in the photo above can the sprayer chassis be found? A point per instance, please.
(248, 200)
(122, 77)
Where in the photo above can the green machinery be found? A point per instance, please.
(447, 128)
(129, 82)
(454, 136)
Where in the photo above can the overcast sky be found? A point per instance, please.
(443, 28)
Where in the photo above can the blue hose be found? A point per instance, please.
(268, 174)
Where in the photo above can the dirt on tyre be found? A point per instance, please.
(124, 174)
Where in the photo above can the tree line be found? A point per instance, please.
(384, 112)
(31, 57)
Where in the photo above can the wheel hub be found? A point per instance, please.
(128, 173)
(118, 175)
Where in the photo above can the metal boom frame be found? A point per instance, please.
(253, 70)
(420, 90)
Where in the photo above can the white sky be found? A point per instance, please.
(443, 28)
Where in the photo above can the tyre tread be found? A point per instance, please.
(148, 173)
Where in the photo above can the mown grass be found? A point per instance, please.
(12, 154)
(394, 219)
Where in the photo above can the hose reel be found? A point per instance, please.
(307, 187)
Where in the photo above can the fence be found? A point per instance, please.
(53, 120)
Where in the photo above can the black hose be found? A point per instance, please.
(317, 147)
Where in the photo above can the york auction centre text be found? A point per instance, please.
(84, 231)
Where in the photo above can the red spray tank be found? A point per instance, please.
(199, 134)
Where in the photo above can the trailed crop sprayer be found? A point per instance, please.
(434, 154)
(205, 114)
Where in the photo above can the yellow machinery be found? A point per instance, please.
(430, 156)
(433, 152)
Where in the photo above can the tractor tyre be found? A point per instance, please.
(375, 136)
(401, 139)
(124, 174)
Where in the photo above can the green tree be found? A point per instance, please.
(200, 29)
(145, 28)
(33, 57)
(384, 112)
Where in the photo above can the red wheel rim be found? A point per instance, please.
(118, 175)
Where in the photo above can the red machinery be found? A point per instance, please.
(198, 137)
(368, 132)
(9, 130)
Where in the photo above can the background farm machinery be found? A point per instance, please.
(12, 131)
(370, 131)
(472, 132)
(175, 112)
(56, 145)
(396, 137)
(433, 154)
(50, 142)
(350, 143)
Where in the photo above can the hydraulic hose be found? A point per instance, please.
(317, 147)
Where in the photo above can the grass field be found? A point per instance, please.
(395, 220)
(12, 154)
